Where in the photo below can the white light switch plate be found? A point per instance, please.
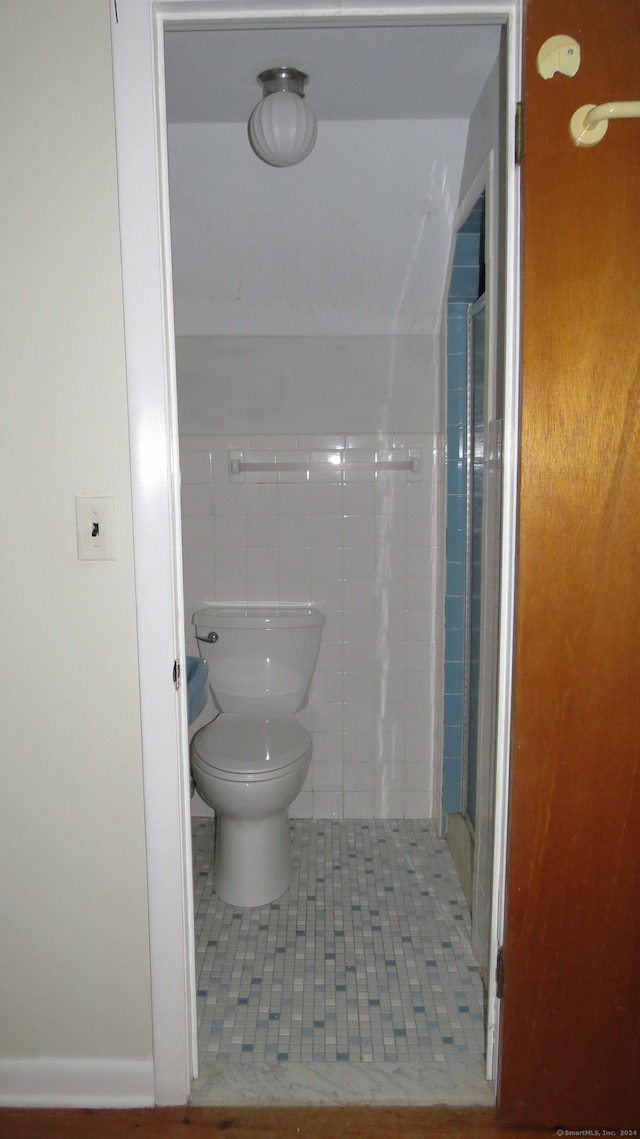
(96, 527)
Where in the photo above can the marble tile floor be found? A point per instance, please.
(357, 986)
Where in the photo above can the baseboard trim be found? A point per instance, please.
(45, 1082)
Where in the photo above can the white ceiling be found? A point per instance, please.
(426, 72)
(355, 239)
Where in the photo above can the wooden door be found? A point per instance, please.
(570, 1051)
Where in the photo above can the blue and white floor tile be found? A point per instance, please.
(365, 962)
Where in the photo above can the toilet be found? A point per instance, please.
(251, 761)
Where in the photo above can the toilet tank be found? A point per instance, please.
(261, 659)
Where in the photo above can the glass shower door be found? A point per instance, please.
(476, 344)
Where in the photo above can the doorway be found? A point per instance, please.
(156, 482)
(323, 522)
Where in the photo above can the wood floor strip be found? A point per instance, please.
(260, 1123)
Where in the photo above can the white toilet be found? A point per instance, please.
(250, 763)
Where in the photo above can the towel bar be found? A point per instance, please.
(334, 460)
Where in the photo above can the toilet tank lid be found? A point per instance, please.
(257, 616)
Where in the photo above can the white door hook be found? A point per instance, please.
(589, 124)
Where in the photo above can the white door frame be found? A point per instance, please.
(137, 36)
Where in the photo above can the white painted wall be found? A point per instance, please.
(75, 1011)
(276, 385)
(485, 129)
(351, 242)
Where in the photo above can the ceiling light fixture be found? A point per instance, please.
(282, 128)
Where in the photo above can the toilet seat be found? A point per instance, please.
(250, 749)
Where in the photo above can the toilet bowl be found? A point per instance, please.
(251, 761)
(250, 769)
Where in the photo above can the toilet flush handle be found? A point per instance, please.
(210, 637)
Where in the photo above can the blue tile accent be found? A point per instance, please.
(456, 477)
(453, 739)
(455, 444)
(466, 280)
(456, 573)
(454, 679)
(453, 712)
(453, 644)
(458, 515)
(457, 311)
(452, 779)
(456, 363)
(457, 372)
(456, 408)
(468, 249)
(454, 612)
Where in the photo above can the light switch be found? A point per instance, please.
(96, 528)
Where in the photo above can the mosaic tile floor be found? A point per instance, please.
(367, 956)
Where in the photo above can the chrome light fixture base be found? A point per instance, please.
(283, 79)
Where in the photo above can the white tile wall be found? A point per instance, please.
(363, 548)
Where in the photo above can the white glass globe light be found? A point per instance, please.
(282, 128)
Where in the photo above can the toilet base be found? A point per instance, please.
(252, 863)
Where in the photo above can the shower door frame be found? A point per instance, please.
(478, 306)
(141, 138)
